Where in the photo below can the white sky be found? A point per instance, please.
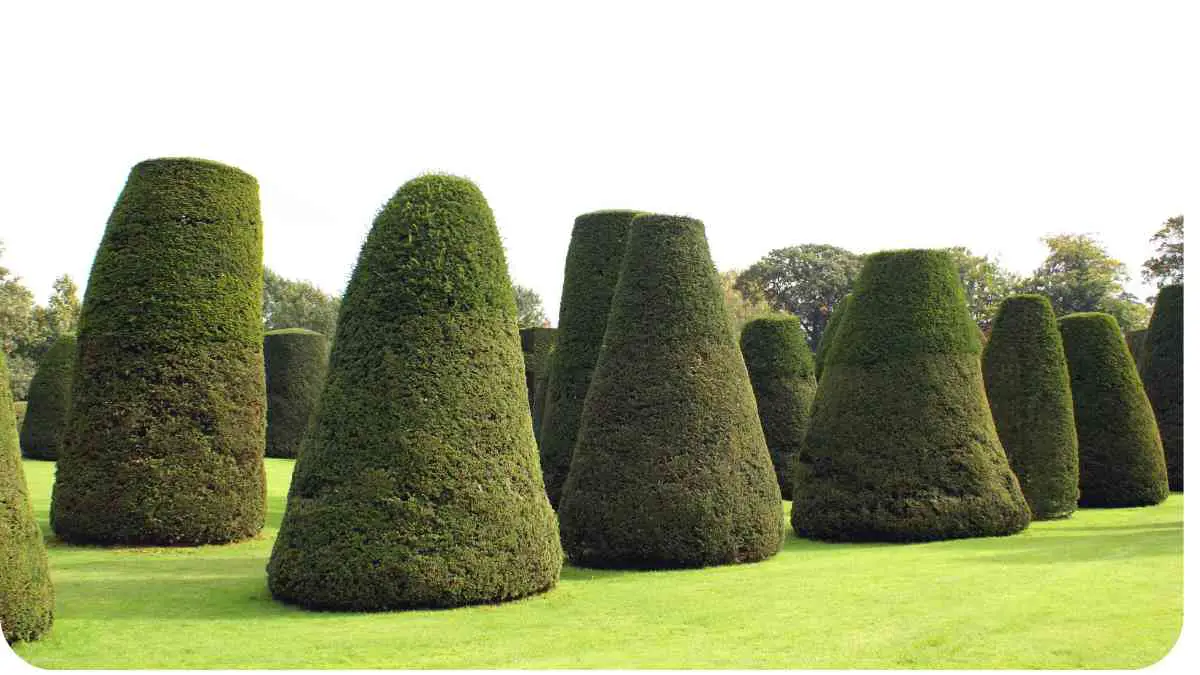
(868, 126)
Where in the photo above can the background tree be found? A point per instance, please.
(27, 330)
(1166, 267)
(530, 313)
(986, 283)
(290, 303)
(806, 280)
(1080, 276)
(743, 306)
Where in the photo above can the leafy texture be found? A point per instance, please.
(289, 303)
(1135, 340)
(1166, 267)
(806, 280)
(1162, 374)
(536, 346)
(835, 320)
(49, 402)
(295, 364)
(1080, 276)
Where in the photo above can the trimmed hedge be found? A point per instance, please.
(1162, 376)
(49, 402)
(780, 365)
(593, 264)
(831, 327)
(418, 482)
(295, 360)
(902, 446)
(1121, 459)
(536, 346)
(671, 468)
(164, 442)
(1135, 340)
(26, 595)
(1029, 389)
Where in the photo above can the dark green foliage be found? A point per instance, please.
(1121, 459)
(49, 401)
(1029, 389)
(19, 409)
(418, 483)
(295, 365)
(164, 443)
(1135, 340)
(593, 263)
(26, 596)
(902, 446)
(781, 371)
(835, 319)
(536, 345)
(1162, 374)
(671, 468)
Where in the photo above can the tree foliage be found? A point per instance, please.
(27, 330)
(530, 313)
(290, 303)
(1080, 276)
(805, 280)
(743, 305)
(984, 282)
(1167, 267)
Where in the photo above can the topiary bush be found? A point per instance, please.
(780, 365)
(164, 442)
(902, 446)
(26, 596)
(1135, 340)
(49, 401)
(671, 468)
(593, 263)
(1121, 459)
(1162, 376)
(835, 320)
(418, 482)
(1029, 389)
(536, 345)
(295, 359)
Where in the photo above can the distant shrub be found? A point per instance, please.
(295, 360)
(1162, 373)
(49, 401)
(536, 345)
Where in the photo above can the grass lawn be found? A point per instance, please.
(1103, 589)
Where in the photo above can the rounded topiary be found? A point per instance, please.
(1162, 376)
(295, 366)
(49, 401)
(902, 446)
(26, 596)
(671, 468)
(418, 482)
(1121, 459)
(164, 442)
(536, 345)
(1029, 389)
(781, 371)
(593, 263)
(831, 327)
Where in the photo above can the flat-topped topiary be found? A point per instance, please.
(295, 360)
(831, 327)
(49, 400)
(1162, 376)
(536, 346)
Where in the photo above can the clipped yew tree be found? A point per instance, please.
(831, 327)
(295, 365)
(49, 401)
(1135, 340)
(902, 446)
(1162, 376)
(164, 441)
(418, 482)
(593, 263)
(536, 346)
(1029, 389)
(671, 468)
(1121, 459)
(26, 596)
(781, 372)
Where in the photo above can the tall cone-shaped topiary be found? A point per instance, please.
(781, 371)
(902, 446)
(1029, 389)
(26, 596)
(49, 401)
(831, 327)
(164, 442)
(1162, 375)
(1135, 340)
(1121, 459)
(418, 482)
(593, 263)
(296, 359)
(671, 468)
(536, 345)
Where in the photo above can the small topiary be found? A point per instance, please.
(1121, 459)
(164, 442)
(780, 365)
(26, 596)
(1162, 375)
(593, 263)
(536, 345)
(295, 359)
(49, 401)
(902, 446)
(418, 482)
(671, 468)
(1029, 390)
(835, 319)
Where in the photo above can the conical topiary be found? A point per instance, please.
(1029, 389)
(49, 401)
(536, 345)
(1135, 340)
(26, 596)
(902, 446)
(781, 371)
(295, 359)
(1120, 455)
(593, 263)
(831, 327)
(418, 482)
(671, 468)
(1162, 375)
(164, 442)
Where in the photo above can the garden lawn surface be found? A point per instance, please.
(1103, 589)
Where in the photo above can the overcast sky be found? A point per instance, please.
(868, 126)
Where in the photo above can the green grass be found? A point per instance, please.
(1103, 589)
